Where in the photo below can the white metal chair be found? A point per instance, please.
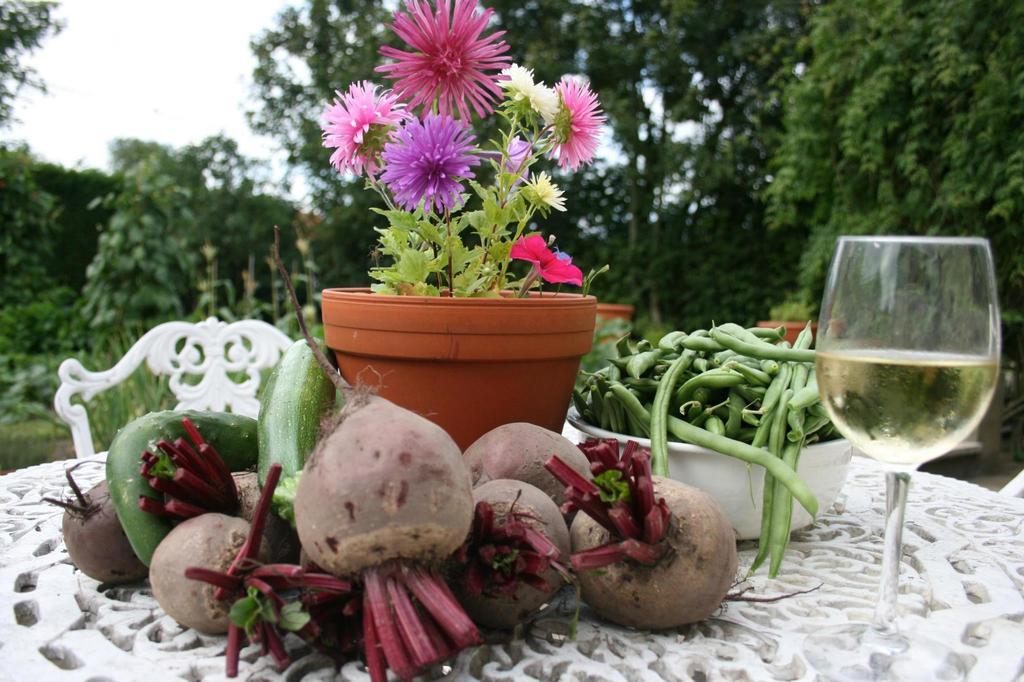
(211, 350)
(1015, 488)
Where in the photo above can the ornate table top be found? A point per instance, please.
(961, 583)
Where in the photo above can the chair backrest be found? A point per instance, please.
(209, 350)
(1015, 488)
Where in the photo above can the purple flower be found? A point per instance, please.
(426, 160)
(518, 150)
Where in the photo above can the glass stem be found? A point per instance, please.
(896, 485)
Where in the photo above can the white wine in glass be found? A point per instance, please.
(907, 361)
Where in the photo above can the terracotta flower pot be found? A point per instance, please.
(615, 311)
(793, 329)
(467, 364)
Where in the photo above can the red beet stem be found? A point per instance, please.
(228, 582)
(376, 602)
(437, 638)
(233, 649)
(183, 510)
(622, 516)
(438, 600)
(202, 466)
(191, 481)
(151, 506)
(613, 553)
(541, 543)
(175, 488)
(655, 525)
(597, 557)
(192, 431)
(208, 453)
(371, 646)
(277, 650)
(178, 458)
(414, 635)
(267, 591)
(592, 506)
(569, 476)
(642, 552)
(251, 547)
(288, 571)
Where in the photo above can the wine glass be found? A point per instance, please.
(907, 360)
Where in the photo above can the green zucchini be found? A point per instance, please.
(233, 436)
(295, 399)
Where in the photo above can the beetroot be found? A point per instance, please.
(510, 564)
(649, 552)
(518, 451)
(94, 537)
(211, 541)
(384, 498)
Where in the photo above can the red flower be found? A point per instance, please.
(554, 268)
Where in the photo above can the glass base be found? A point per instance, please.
(858, 653)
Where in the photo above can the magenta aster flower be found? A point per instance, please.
(577, 124)
(450, 60)
(556, 268)
(426, 160)
(357, 126)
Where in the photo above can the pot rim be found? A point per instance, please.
(535, 299)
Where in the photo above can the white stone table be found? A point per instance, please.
(962, 579)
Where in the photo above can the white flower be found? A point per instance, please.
(546, 192)
(520, 87)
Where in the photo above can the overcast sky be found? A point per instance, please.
(169, 71)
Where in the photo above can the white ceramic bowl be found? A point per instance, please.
(738, 487)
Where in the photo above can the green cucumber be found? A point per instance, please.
(233, 436)
(295, 399)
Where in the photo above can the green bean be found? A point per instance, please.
(755, 376)
(777, 435)
(672, 341)
(806, 396)
(643, 345)
(713, 378)
(701, 364)
(645, 386)
(720, 358)
(659, 412)
(747, 453)
(597, 406)
(805, 338)
(639, 364)
(782, 512)
(770, 367)
(579, 401)
(702, 344)
(738, 332)
(775, 389)
(761, 350)
(812, 426)
(751, 417)
(623, 348)
(735, 421)
(713, 424)
(746, 435)
(632, 406)
(752, 394)
(763, 548)
(763, 431)
(616, 422)
(768, 333)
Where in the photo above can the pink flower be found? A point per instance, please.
(357, 126)
(577, 124)
(555, 268)
(449, 61)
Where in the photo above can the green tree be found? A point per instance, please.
(23, 28)
(909, 119)
(232, 204)
(145, 259)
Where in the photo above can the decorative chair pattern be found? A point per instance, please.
(211, 350)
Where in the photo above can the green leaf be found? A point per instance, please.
(293, 618)
(612, 487)
(245, 612)
(413, 266)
